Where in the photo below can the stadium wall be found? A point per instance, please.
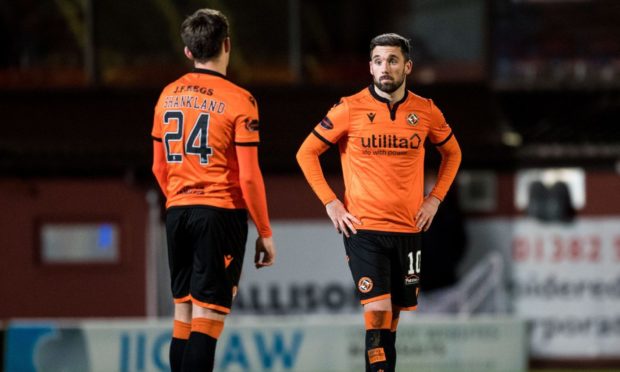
(31, 287)
(37, 289)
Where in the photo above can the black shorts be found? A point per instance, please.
(386, 265)
(206, 246)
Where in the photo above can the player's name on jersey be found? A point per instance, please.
(193, 89)
(194, 102)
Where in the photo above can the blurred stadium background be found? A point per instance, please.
(523, 266)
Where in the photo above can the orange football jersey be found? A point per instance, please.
(200, 118)
(382, 155)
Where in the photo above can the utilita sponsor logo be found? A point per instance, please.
(391, 141)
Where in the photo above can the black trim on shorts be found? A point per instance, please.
(247, 144)
(321, 137)
(444, 141)
(395, 233)
(205, 206)
(156, 139)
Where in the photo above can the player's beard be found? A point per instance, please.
(388, 86)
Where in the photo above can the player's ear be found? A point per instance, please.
(408, 67)
(227, 45)
(188, 53)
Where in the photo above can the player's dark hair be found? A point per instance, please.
(392, 40)
(203, 33)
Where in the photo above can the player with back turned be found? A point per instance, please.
(205, 159)
(380, 132)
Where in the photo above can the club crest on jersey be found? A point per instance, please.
(326, 123)
(371, 116)
(412, 119)
(365, 284)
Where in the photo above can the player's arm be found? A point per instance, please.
(450, 161)
(308, 159)
(253, 190)
(160, 166)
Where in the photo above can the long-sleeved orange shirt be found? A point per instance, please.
(382, 155)
(204, 129)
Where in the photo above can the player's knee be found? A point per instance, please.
(378, 319)
(381, 305)
(203, 312)
(183, 312)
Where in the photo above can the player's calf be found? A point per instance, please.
(200, 350)
(378, 341)
(180, 335)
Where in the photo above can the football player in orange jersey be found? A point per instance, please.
(380, 132)
(205, 159)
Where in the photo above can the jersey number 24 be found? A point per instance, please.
(197, 142)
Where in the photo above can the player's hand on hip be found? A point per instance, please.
(426, 213)
(265, 252)
(343, 220)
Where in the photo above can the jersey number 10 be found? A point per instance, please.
(418, 256)
(197, 142)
